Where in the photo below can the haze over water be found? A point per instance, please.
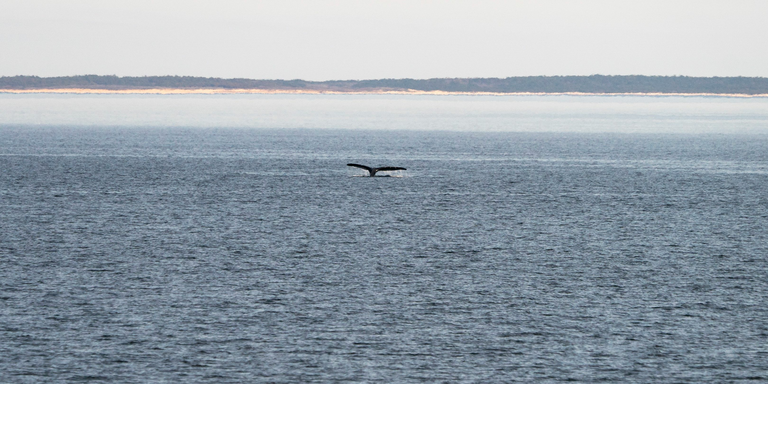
(532, 239)
(625, 114)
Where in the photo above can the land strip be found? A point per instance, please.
(554, 85)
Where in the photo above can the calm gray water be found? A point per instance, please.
(599, 114)
(203, 255)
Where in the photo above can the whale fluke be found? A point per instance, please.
(373, 171)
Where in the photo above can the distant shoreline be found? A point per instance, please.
(593, 85)
(219, 91)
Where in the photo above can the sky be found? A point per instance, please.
(345, 39)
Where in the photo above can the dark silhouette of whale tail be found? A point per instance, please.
(373, 171)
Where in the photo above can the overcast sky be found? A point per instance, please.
(344, 39)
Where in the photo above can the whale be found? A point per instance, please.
(373, 171)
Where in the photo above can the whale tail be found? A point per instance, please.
(373, 171)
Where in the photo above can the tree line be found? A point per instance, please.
(529, 84)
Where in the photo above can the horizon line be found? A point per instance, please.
(380, 79)
(531, 85)
(221, 91)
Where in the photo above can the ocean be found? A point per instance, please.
(174, 239)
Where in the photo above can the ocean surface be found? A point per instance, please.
(588, 114)
(204, 254)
